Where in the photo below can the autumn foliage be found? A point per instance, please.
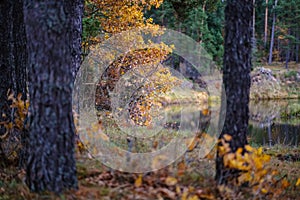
(142, 59)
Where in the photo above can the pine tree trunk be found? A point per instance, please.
(288, 51)
(51, 162)
(77, 10)
(13, 58)
(236, 78)
(19, 50)
(272, 34)
(297, 46)
(266, 25)
(19, 65)
(5, 61)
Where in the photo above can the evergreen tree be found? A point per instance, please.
(49, 28)
(236, 79)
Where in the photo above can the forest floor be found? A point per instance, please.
(181, 180)
(189, 178)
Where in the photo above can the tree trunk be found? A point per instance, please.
(5, 61)
(13, 61)
(272, 34)
(19, 50)
(77, 8)
(297, 45)
(253, 27)
(288, 51)
(236, 78)
(266, 25)
(51, 162)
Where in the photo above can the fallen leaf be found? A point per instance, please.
(167, 192)
(170, 181)
(298, 182)
(194, 197)
(227, 137)
(139, 181)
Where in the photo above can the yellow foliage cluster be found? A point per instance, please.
(123, 15)
(254, 167)
(21, 108)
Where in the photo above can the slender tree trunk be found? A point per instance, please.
(272, 34)
(254, 47)
(77, 8)
(253, 27)
(236, 78)
(297, 46)
(266, 25)
(51, 162)
(288, 51)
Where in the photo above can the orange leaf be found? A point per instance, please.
(139, 181)
(227, 137)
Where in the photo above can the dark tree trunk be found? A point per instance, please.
(13, 58)
(19, 50)
(51, 161)
(236, 77)
(77, 11)
(5, 61)
(297, 46)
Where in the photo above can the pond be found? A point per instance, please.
(275, 122)
(271, 122)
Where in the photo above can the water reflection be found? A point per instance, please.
(275, 122)
(271, 122)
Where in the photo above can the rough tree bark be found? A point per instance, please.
(5, 61)
(13, 54)
(77, 11)
(51, 162)
(13, 58)
(236, 78)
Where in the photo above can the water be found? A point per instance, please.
(275, 122)
(271, 122)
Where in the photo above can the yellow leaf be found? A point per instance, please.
(185, 194)
(194, 197)
(259, 151)
(239, 150)
(170, 181)
(249, 148)
(298, 182)
(244, 178)
(178, 190)
(263, 190)
(139, 181)
(227, 137)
